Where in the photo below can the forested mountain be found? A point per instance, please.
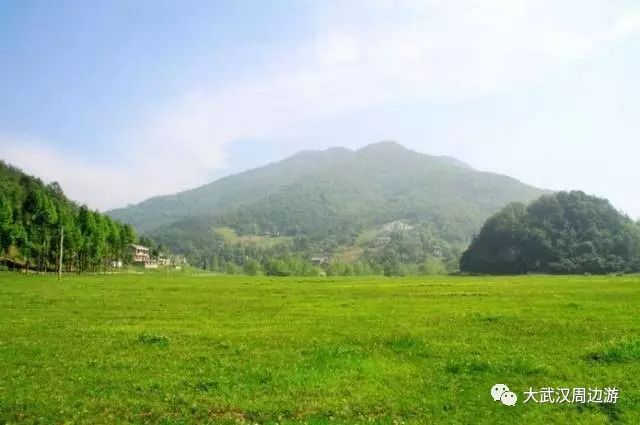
(33, 216)
(381, 206)
(564, 233)
(227, 192)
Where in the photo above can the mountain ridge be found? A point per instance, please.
(331, 198)
(310, 157)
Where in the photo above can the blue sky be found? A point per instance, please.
(119, 101)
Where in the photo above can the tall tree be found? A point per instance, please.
(6, 224)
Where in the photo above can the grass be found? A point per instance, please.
(219, 349)
(263, 241)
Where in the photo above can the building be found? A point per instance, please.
(320, 260)
(163, 261)
(151, 264)
(178, 260)
(381, 241)
(140, 254)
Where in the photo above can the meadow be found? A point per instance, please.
(179, 349)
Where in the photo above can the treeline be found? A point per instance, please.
(234, 260)
(412, 251)
(34, 217)
(563, 233)
(398, 253)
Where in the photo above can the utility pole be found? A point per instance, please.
(60, 259)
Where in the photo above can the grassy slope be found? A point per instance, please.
(231, 236)
(178, 349)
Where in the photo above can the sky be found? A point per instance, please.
(119, 101)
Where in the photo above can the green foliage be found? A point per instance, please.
(564, 233)
(33, 216)
(432, 266)
(252, 267)
(6, 220)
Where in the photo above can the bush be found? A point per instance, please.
(153, 339)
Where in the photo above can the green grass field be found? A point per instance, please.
(220, 349)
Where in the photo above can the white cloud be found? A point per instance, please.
(100, 186)
(336, 48)
(628, 25)
(143, 169)
(365, 54)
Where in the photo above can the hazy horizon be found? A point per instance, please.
(120, 102)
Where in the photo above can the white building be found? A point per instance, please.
(140, 254)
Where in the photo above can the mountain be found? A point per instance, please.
(346, 204)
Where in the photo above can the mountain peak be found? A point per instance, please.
(332, 151)
(393, 149)
(384, 146)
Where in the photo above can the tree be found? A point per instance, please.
(114, 253)
(127, 237)
(99, 241)
(252, 267)
(6, 221)
(88, 229)
(567, 232)
(432, 266)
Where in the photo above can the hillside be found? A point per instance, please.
(383, 203)
(228, 191)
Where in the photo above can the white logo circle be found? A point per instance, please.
(508, 398)
(497, 390)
